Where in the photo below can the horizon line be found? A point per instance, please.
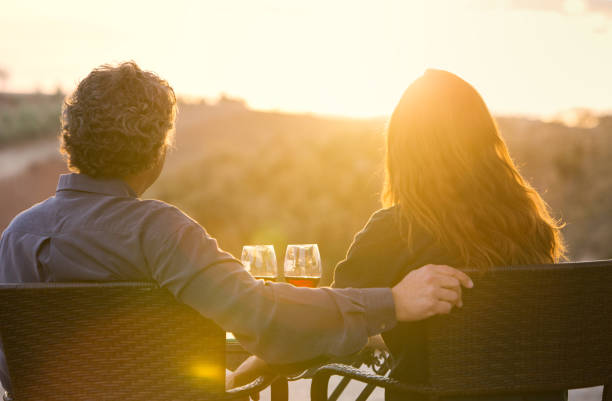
(223, 96)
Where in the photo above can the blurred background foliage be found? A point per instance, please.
(253, 177)
(24, 117)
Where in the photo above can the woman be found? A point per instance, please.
(453, 196)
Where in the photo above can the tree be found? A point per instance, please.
(4, 76)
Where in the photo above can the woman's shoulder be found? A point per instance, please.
(375, 247)
(380, 255)
(385, 214)
(385, 222)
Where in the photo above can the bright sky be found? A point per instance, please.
(344, 57)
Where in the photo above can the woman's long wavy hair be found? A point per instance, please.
(448, 170)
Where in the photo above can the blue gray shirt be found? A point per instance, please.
(99, 230)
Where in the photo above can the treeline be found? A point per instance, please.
(254, 177)
(35, 115)
(28, 116)
(572, 169)
(260, 177)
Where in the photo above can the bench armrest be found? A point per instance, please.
(255, 386)
(320, 381)
(241, 392)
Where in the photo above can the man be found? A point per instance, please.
(116, 128)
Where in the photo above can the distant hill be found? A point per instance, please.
(257, 177)
(28, 116)
(263, 177)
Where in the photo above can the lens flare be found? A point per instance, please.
(207, 371)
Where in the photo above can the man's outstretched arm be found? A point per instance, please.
(276, 321)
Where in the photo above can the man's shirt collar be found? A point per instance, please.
(85, 183)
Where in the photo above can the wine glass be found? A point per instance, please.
(260, 261)
(303, 265)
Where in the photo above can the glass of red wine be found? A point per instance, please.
(260, 261)
(303, 265)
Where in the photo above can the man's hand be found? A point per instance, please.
(249, 370)
(429, 290)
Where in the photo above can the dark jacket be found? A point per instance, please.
(379, 257)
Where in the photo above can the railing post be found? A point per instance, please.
(279, 390)
(319, 385)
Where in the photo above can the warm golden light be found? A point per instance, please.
(207, 371)
(319, 56)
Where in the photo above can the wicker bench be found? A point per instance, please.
(111, 341)
(522, 329)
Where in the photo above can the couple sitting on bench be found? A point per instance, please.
(452, 197)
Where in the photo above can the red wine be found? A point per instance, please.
(311, 282)
(267, 278)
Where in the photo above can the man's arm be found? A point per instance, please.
(422, 293)
(276, 321)
(285, 324)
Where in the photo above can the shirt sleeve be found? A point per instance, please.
(275, 321)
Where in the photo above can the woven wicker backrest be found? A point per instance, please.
(526, 328)
(113, 341)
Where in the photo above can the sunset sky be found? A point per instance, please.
(344, 57)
